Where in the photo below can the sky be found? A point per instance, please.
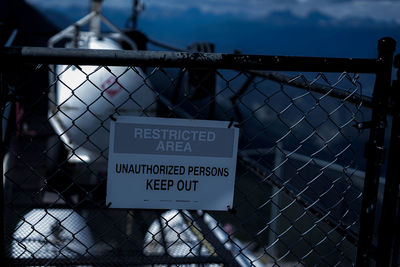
(339, 28)
(385, 10)
(378, 10)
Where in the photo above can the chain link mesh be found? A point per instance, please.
(299, 176)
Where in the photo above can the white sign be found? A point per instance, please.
(160, 163)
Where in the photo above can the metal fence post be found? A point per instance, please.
(387, 220)
(374, 150)
(3, 95)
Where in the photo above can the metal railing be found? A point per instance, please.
(304, 193)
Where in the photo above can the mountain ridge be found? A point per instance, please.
(281, 32)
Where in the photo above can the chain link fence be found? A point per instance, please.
(300, 166)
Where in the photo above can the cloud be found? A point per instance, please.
(384, 11)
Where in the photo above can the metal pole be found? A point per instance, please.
(374, 150)
(95, 22)
(396, 243)
(135, 14)
(72, 56)
(275, 200)
(70, 29)
(3, 257)
(219, 247)
(387, 227)
(3, 98)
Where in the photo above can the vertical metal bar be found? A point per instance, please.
(240, 93)
(135, 14)
(95, 22)
(396, 243)
(3, 94)
(387, 221)
(219, 247)
(163, 238)
(177, 89)
(374, 150)
(2, 171)
(275, 200)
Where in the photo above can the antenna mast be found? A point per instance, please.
(135, 13)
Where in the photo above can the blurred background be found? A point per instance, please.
(340, 28)
(330, 28)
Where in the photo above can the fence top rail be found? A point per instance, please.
(73, 56)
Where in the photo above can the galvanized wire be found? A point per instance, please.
(298, 185)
